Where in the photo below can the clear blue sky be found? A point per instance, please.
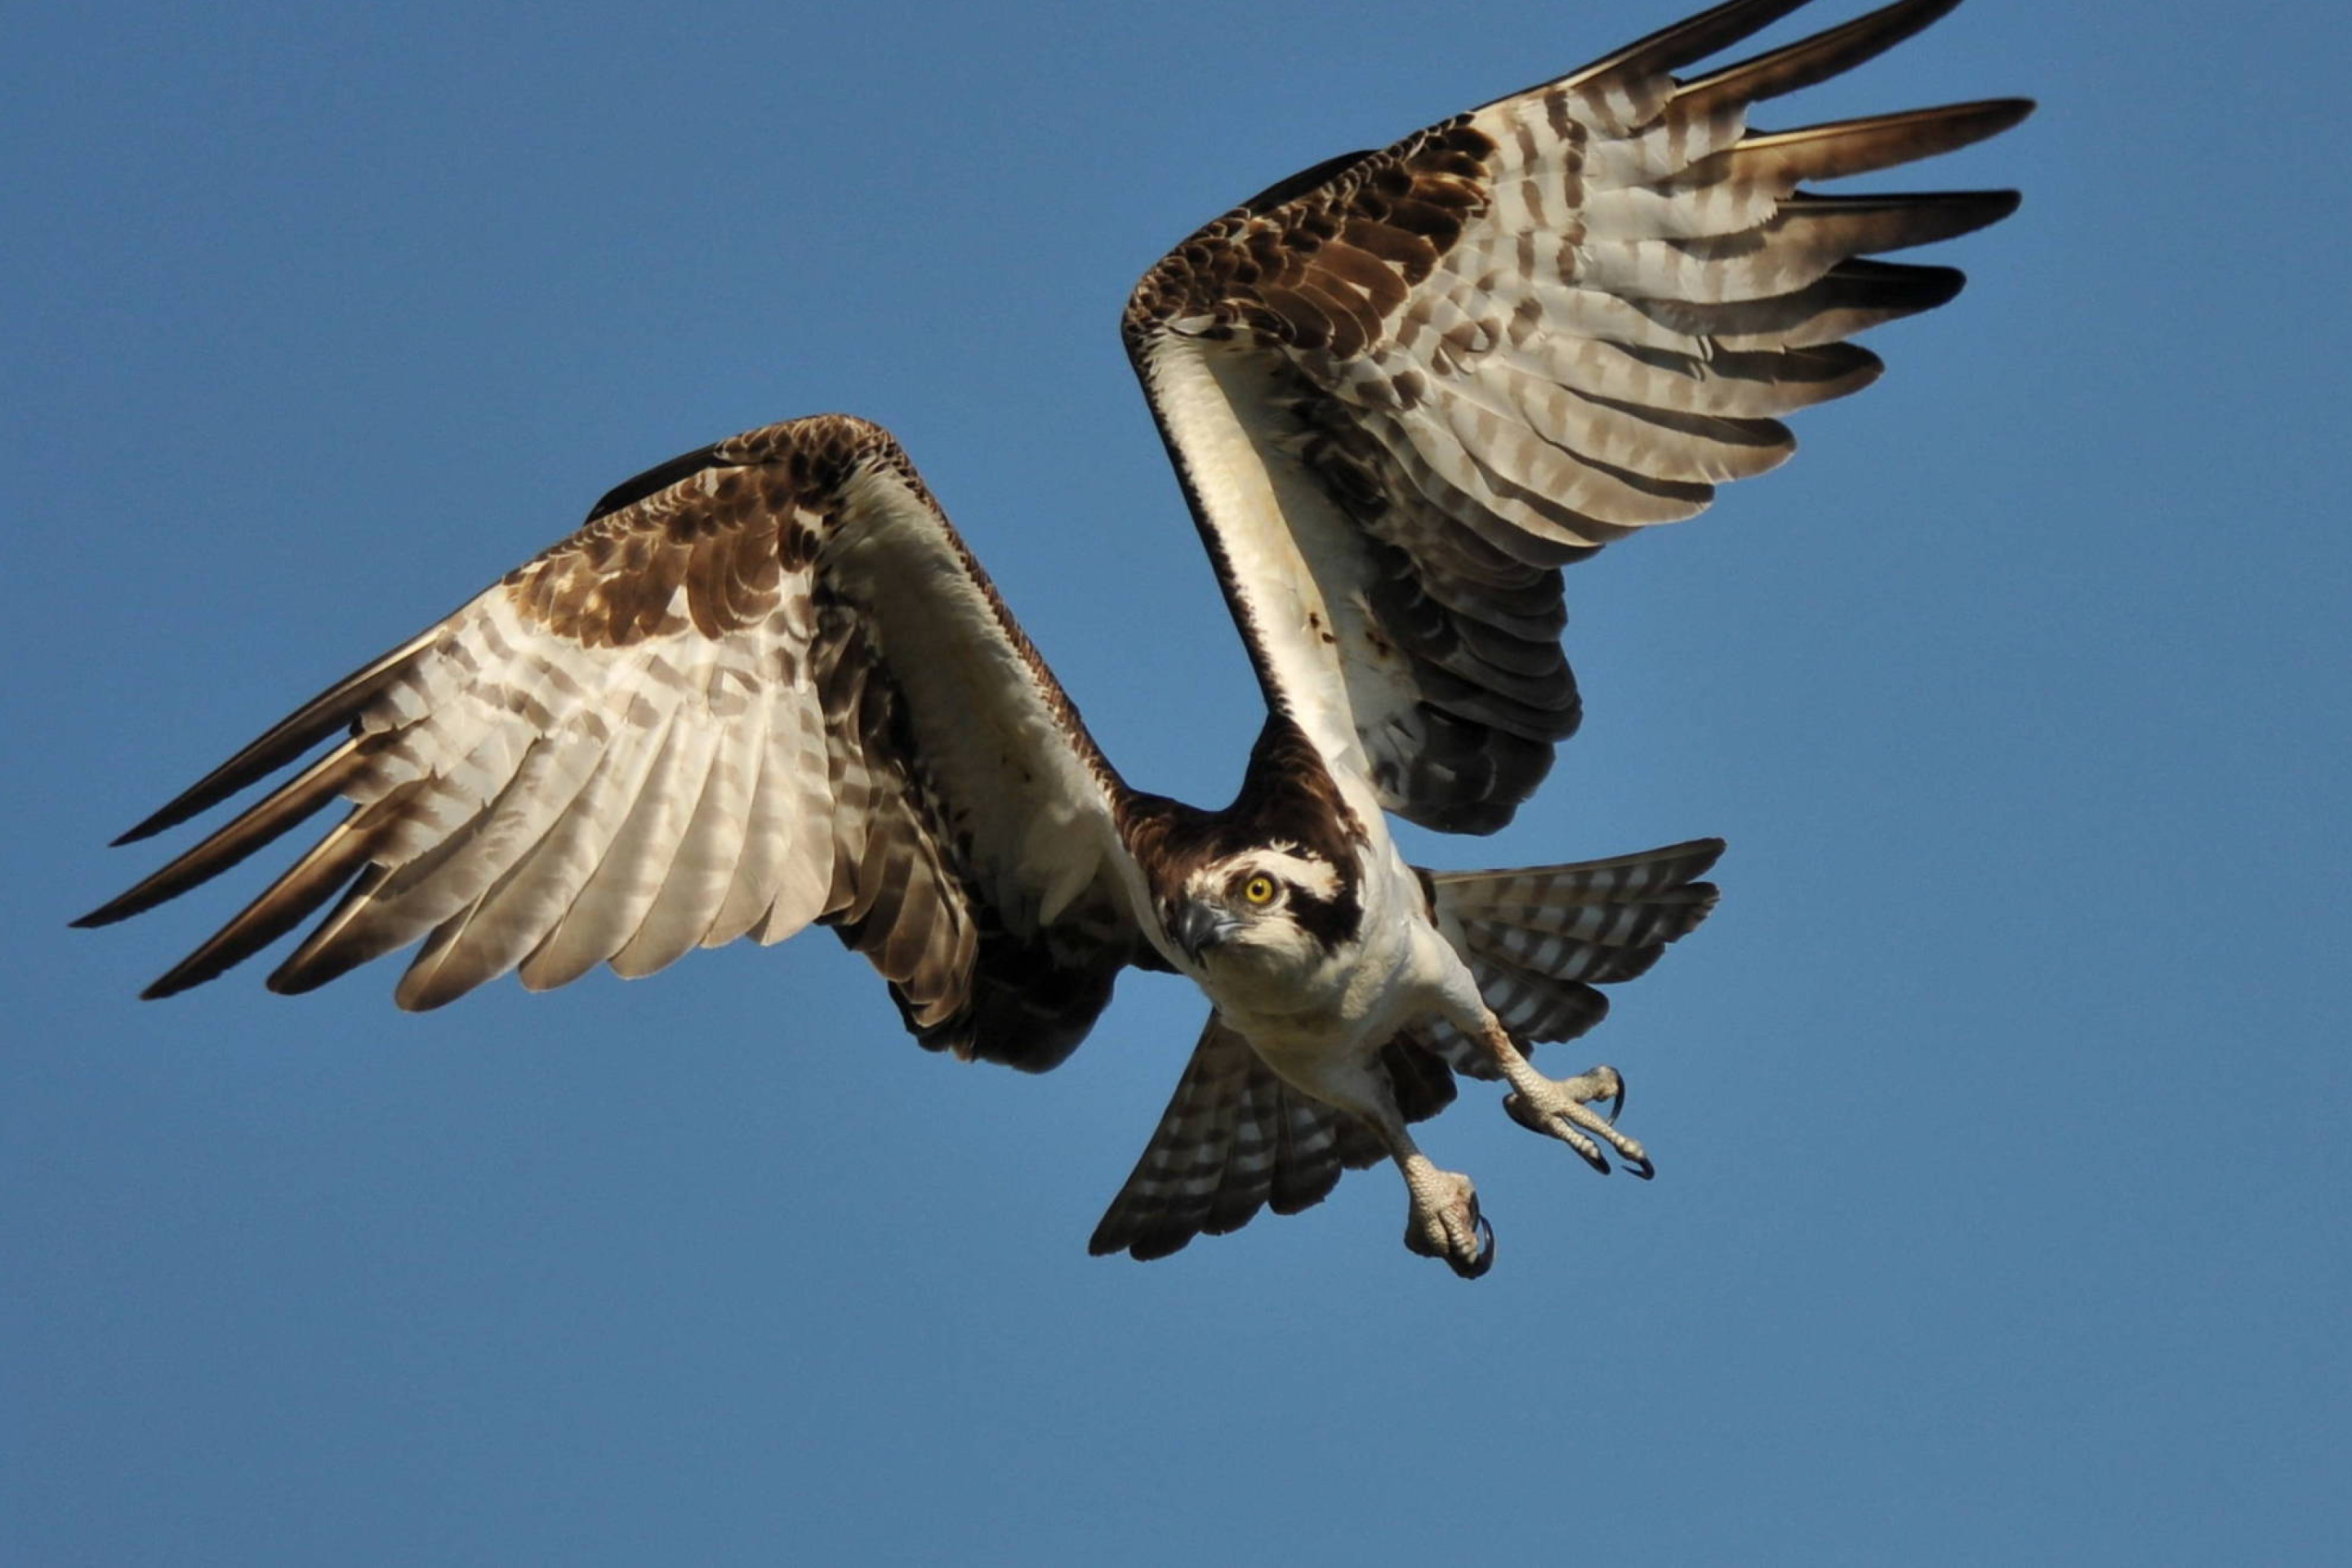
(1999, 1112)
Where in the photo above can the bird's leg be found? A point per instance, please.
(1445, 1221)
(1558, 1106)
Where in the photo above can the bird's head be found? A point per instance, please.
(1268, 907)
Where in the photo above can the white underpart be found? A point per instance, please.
(905, 568)
(1318, 1021)
(1296, 565)
(1321, 1021)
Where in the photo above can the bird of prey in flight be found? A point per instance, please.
(766, 684)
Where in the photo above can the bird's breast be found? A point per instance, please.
(1345, 1005)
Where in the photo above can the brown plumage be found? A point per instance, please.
(1522, 333)
(766, 686)
(527, 793)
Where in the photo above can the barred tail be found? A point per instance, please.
(1236, 1139)
(1540, 939)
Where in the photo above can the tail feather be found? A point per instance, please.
(1236, 1139)
(1543, 896)
(1541, 938)
(1539, 955)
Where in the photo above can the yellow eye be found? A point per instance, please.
(1259, 889)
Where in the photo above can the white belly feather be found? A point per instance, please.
(1319, 1021)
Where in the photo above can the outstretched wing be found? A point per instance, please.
(765, 685)
(1406, 387)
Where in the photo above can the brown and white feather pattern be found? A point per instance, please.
(1506, 340)
(764, 687)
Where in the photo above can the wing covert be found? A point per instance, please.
(1404, 393)
(763, 685)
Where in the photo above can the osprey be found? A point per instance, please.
(766, 685)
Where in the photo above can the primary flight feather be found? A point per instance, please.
(767, 686)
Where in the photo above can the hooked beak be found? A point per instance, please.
(1200, 927)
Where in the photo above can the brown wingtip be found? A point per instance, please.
(329, 712)
(184, 976)
(261, 824)
(292, 899)
(2007, 113)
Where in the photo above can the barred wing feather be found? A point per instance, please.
(764, 686)
(1405, 388)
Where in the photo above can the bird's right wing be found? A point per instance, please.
(765, 685)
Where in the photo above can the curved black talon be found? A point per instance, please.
(1617, 1105)
(1597, 1159)
(1477, 1267)
(1640, 1167)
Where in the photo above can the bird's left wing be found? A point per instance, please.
(1405, 388)
(764, 685)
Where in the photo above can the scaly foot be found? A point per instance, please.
(1446, 1222)
(1558, 1107)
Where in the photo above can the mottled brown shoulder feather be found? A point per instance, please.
(1321, 259)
